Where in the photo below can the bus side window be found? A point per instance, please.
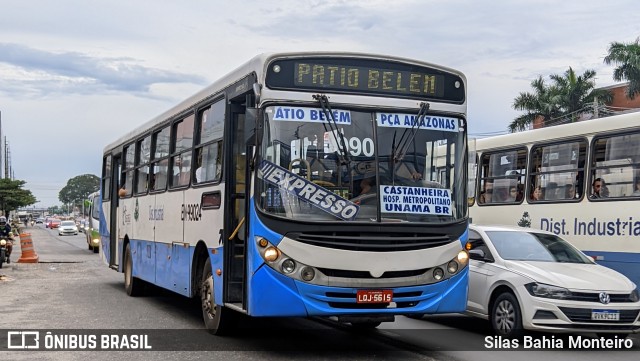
(557, 171)
(502, 176)
(616, 159)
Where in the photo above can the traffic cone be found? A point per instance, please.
(26, 246)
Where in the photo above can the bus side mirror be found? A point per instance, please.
(253, 126)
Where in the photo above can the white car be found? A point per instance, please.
(527, 279)
(67, 227)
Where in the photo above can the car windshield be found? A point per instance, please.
(68, 223)
(367, 166)
(531, 246)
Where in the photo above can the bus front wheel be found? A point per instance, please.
(216, 317)
(132, 285)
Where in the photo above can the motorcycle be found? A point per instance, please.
(5, 244)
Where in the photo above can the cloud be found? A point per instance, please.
(43, 72)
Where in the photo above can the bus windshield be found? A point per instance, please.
(364, 166)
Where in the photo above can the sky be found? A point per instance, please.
(75, 75)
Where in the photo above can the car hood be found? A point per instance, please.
(573, 276)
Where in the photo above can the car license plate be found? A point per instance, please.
(605, 315)
(374, 296)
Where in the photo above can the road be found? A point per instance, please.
(71, 291)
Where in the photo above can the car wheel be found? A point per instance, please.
(506, 318)
(132, 285)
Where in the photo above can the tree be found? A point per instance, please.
(578, 93)
(565, 99)
(79, 188)
(627, 57)
(12, 196)
(542, 102)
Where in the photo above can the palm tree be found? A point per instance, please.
(627, 57)
(568, 97)
(578, 93)
(543, 102)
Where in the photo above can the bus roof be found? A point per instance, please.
(255, 65)
(571, 130)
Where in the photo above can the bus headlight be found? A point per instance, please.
(307, 273)
(288, 265)
(271, 254)
(438, 274)
(463, 257)
(283, 264)
(452, 267)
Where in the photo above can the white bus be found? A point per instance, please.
(92, 228)
(248, 194)
(545, 178)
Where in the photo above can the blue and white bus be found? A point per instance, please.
(248, 194)
(547, 178)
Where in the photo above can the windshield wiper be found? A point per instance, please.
(404, 143)
(343, 153)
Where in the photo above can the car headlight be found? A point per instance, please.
(635, 296)
(547, 291)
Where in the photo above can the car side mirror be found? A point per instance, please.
(477, 255)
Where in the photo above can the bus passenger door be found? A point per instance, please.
(116, 173)
(236, 222)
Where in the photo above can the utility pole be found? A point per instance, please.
(7, 160)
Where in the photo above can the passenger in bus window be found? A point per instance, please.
(519, 192)
(366, 185)
(537, 195)
(486, 196)
(569, 191)
(515, 193)
(599, 189)
(636, 187)
(501, 194)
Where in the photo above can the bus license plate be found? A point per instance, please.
(605, 315)
(374, 296)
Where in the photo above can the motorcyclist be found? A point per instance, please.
(5, 232)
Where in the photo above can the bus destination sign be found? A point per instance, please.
(372, 77)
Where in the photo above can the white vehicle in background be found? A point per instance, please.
(67, 228)
(527, 279)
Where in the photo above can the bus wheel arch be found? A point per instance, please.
(200, 255)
